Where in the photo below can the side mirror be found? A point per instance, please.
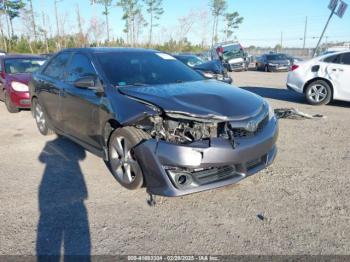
(91, 83)
(88, 82)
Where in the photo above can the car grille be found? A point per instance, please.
(242, 133)
(214, 174)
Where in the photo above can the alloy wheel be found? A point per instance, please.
(317, 93)
(123, 163)
(39, 117)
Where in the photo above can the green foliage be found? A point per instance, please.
(12, 7)
(155, 10)
(233, 20)
(218, 7)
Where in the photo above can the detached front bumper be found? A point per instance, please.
(205, 164)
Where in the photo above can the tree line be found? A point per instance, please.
(141, 18)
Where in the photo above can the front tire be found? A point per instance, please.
(122, 161)
(318, 93)
(40, 118)
(9, 104)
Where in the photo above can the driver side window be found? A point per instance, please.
(79, 67)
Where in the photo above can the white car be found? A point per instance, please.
(322, 79)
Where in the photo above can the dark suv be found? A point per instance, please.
(155, 121)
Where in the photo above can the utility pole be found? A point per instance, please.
(57, 25)
(325, 28)
(281, 40)
(305, 34)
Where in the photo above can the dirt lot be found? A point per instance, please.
(304, 196)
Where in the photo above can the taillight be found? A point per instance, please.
(294, 67)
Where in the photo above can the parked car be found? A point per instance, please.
(15, 73)
(322, 79)
(293, 59)
(233, 54)
(154, 120)
(211, 69)
(273, 62)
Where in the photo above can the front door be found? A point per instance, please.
(80, 107)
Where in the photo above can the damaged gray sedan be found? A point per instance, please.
(156, 122)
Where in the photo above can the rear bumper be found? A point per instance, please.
(20, 99)
(279, 68)
(207, 164)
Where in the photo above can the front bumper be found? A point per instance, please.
(159, 160)
(20, 99)
(238, 66)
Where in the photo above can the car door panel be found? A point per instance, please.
(339, 74)
(80, 106)
(50, 83)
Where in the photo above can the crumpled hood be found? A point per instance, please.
(208, 99)
(214, 66)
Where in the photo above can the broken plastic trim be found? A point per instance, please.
(292, 113)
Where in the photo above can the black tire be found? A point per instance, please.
(324, 93)
(9, 105)
(131, 137)
(266, 69)
(40, 119)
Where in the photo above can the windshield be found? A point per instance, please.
(276, 57)
(233, 51)
(145, 68)
(23, 65)
(191, 61)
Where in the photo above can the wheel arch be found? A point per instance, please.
(34, 97)
(109, 127)
(317, 79)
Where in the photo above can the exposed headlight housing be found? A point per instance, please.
(19, 87)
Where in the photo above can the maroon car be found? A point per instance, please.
(15, 74)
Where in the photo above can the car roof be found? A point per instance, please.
(333, 54)
(109, 50)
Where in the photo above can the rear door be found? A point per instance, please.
(80, 107)
(49, 87)
(339, 72)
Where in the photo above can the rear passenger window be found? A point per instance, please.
(346, 59)
(334, 59)
(57, 65)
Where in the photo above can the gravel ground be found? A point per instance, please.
(55, 197)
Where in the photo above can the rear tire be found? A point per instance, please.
(40, 118)
(9, 105)
(318, 93)
(122, 161)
